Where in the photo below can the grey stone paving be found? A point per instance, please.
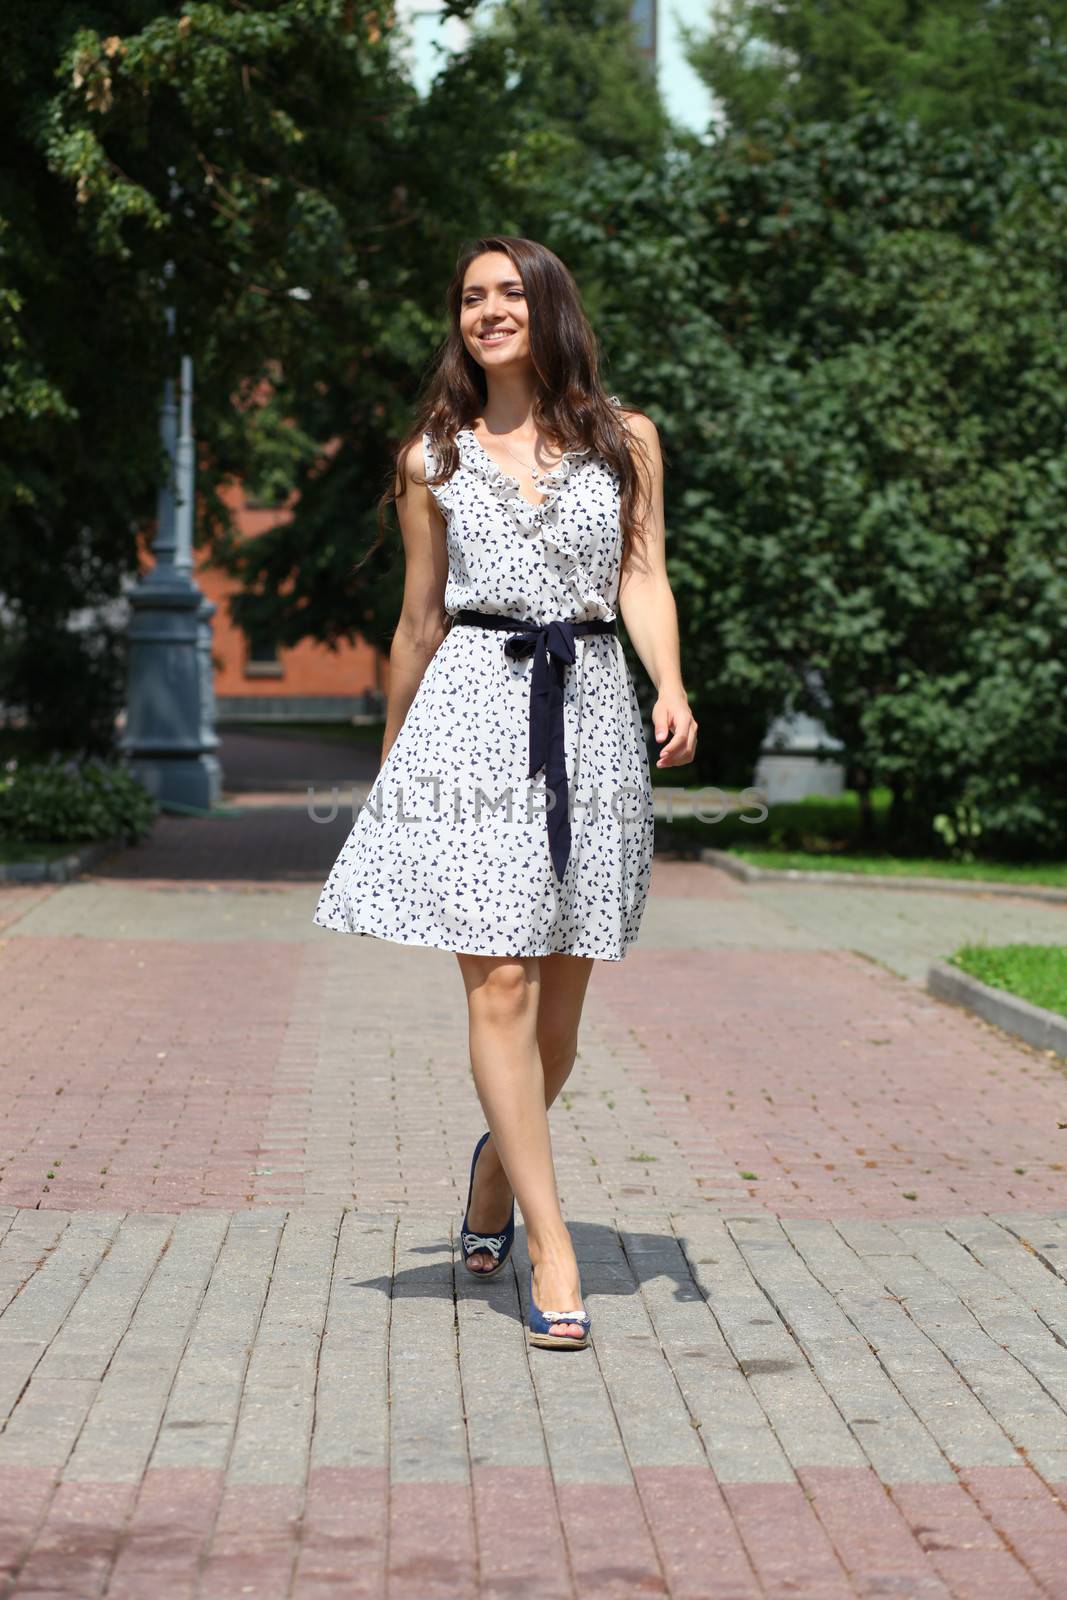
(904, 932)
(194, 1341)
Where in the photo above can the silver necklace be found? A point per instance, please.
(531, 470)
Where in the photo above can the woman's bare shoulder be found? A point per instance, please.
(414, 464)
(644, 432)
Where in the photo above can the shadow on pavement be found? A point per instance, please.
(271, 830)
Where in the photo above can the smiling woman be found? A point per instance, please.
(511, 821)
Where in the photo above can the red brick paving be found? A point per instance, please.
(962, 1544)
(1031, 1518)
(788, 1546)
(157, 1060)
(695, 1533)
(153, 1059)
(842, 1088)
(344, 1534)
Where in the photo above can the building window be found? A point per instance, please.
(261, 656)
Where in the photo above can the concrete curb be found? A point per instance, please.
(747, 873)
(61, 869)
(1046, 1030)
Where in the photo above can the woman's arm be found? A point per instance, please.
(423, 620)
(646, 605)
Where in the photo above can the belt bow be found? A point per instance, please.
(552, 646)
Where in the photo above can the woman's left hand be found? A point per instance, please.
(671, 714)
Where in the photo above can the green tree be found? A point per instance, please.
(312, 206)
(543, 93)
(263, 151)
(852, 339)
(948, 63)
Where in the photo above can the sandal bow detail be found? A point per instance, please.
(498, 1245)
(541, 1322)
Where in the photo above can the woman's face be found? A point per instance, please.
(493, 315)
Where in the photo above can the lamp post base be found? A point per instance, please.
(180, 780)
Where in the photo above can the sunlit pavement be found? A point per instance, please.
(821, 1218)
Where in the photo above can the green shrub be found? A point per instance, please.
(63, 800)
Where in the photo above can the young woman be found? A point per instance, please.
(511, 821)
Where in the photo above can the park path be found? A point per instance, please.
(821, 1217)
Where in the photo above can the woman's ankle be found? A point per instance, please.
(490, 1170)
(551, 1249)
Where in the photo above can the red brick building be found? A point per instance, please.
(255, 678)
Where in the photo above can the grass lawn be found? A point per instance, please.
(1034, 972)
(1053, 874)
(820, 835)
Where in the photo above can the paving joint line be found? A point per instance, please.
(1058, 1338)
(475, 1539)
(1050, 1266)
(786, 1325)
(799, 1345)
(1005, 1537)
(699, 1431)
(960, 1297)
(527, 1348)
(387, 1553)
(831, 1396)
(923, 1334)
(798, 1342)
(59, 1470)
(694, 1422)
(953, 1467)
(1001, 1534)
(197, 1592)
(37, 1265)
(298, 1542)
(622, 1437)
(124, 1533)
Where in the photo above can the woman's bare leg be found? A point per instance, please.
(524, 1017)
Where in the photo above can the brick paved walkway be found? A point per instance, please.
(821, 1217)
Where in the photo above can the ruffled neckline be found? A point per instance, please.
(541, 520)
(504, 486)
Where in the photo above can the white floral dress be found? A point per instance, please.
(451, 849)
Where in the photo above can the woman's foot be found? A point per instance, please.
(557, 1287)
(491, 1199)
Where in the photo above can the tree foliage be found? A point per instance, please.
(243, 164)
(854, 345)
(850, 332)
(543, 93)
(276, 157)
(947, 63)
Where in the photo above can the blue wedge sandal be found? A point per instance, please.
(498, 1245)
(542, 1321)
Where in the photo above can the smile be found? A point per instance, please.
(495, 336)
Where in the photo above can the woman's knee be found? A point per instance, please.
(503, 992)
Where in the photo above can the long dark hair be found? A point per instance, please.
(570, 406)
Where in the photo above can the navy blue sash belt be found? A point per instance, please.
(552, 646)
